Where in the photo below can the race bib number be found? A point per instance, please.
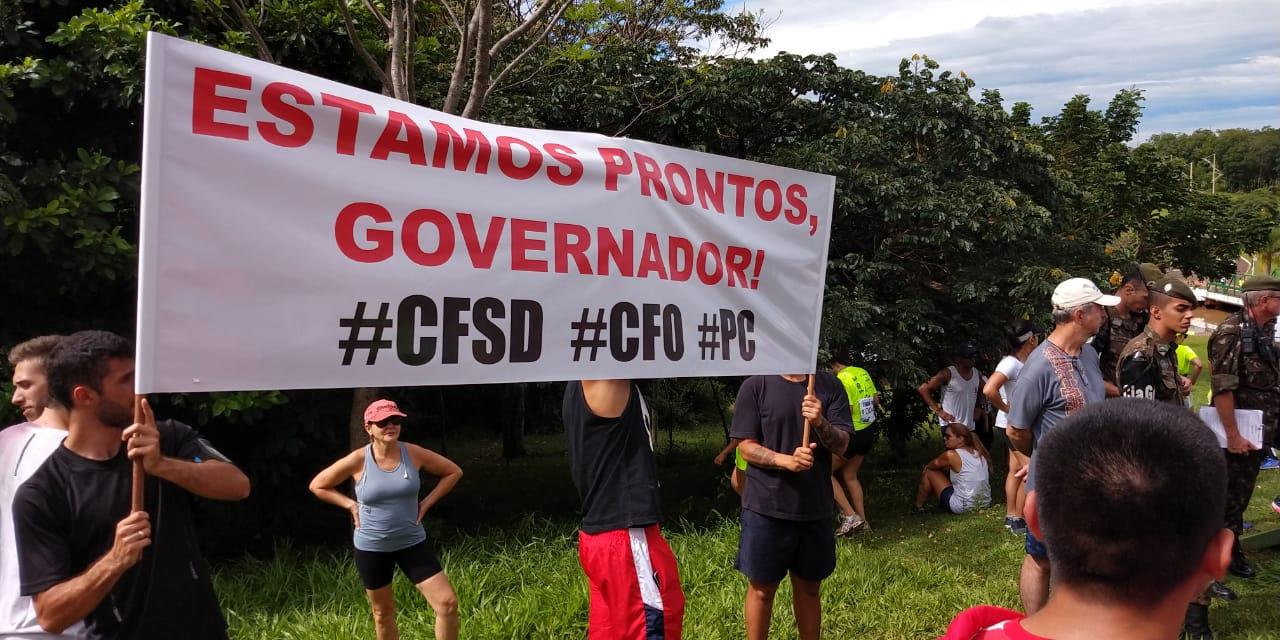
(867, 406)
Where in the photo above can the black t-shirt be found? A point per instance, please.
(612, 463)
(768, 411)
(65, 520)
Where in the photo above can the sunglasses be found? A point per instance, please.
(389, 421)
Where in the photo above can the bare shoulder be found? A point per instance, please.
(353, 459)
(421, 454)
(606, 398)
(418, 451)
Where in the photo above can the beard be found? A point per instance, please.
(116, 416)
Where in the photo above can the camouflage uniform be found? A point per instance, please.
(1148, 368)
(1113, 337)
(1244, 362)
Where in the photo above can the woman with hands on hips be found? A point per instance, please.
(388, 518)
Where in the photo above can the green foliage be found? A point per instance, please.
(1248, 158)
(1207, 233)
(241, 407)
(952, 215)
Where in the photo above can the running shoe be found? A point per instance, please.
(848, 524)
(1269, 463)
(1016, 526)
(1275, 504)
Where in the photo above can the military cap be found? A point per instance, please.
(1262, 283)
(1175, 288)
(1150, 273)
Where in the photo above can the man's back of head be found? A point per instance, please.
(1130, 497)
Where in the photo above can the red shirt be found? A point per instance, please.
(986, 622)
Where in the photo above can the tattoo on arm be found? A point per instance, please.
(834, 439)
(762, 456)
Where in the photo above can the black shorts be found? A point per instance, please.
(860, 442)
(769, 548)
(377, 567)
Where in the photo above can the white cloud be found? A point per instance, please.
(1201, 65)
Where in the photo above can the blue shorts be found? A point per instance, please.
(944, 499)
(769, 548)
(1035, 548)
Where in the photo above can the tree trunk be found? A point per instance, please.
(360, 399)
(513, 420)
(899, 425)
(483, 63)
(724, 422)
(444, 423)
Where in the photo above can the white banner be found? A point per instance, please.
(300, 233)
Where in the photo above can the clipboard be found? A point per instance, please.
(1248, 421)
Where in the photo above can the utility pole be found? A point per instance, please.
(1213, 177)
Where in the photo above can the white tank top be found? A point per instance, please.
(959, 397)
(972, 482)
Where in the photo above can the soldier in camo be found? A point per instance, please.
(1148, 368)
(1148, 364)
(1246, 375)
(1124, 322)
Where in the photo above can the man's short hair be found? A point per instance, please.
(1130, 494)
(81, 359)
(1253, 299)
(1063, 316)
(1132, 273)
(1158, 299)
(34, 349)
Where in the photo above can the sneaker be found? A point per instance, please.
(1016, 526)
(848, 524)
(845, 527)
(1269, 463)
(1275, 504)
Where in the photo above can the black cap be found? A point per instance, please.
(965, 350)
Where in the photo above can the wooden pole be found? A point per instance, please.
(805, 441)
(139, 474)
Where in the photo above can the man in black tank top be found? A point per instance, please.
(631, 571)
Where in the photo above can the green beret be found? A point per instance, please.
(1262, 283)
(1175, 288)
(1150, 273)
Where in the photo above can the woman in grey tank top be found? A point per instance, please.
(388, 517)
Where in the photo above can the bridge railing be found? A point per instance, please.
(1231, 287)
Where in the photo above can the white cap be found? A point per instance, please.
(1079, 291)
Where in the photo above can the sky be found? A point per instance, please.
(1210, 64)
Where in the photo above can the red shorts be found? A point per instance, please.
(635, 585)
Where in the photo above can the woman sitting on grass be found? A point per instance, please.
(966, 485)
(388, 518)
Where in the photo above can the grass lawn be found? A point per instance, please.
(507, 538)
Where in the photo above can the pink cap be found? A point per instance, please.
(380, 410)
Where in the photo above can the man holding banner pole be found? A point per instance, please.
(83, 553)
(787, 504)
